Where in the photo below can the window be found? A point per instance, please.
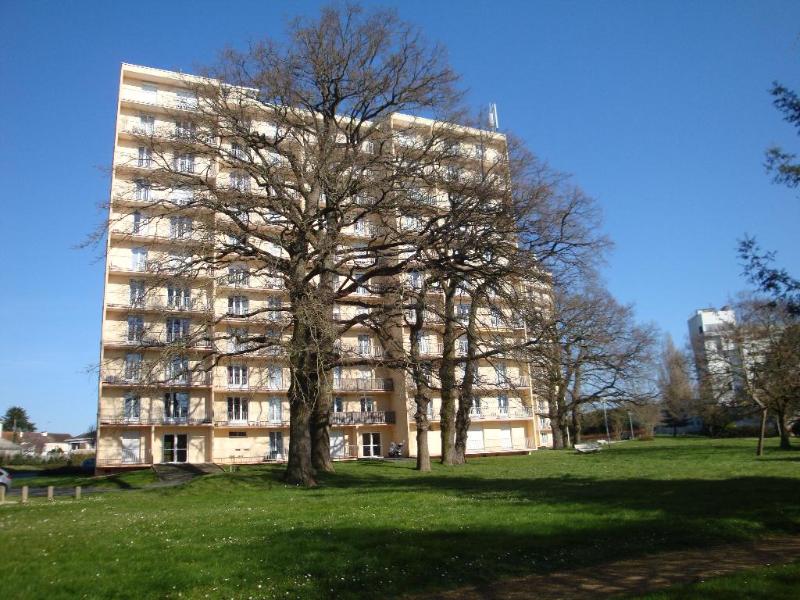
(178, 369)
(237, 339)
(136, 292)
(186, 99)
(371, 444)
(238, 305)
(415, 280)
(237, 408)
(502, 405)
(495, 317)
(145, 157)
(138, 259)
(182, 196)
(149, 92)
(463, 345)
(238, 275)
(135, 329)
(462, 312)
(184, 163)
(338, 404)
(275, 305)
(143, 190)
(133, 366)
(240, 181)
(179, 297)
(368, 147)
(500, 373)
(176, 405)
(184, 129)
(275, 414)
(147, 124)
(475, 411)
(177, 329)
(408, 223)
(138, 223)
(362, 287)
(237, 434)
(237, 151)
(180, 227)
(364, 345)
(275, 378)
(367, 404)
(131, 407)
(237, 376)
(422, 342)
(276, 445)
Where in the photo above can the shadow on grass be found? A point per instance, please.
(503, 531)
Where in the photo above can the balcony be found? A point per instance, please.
(515, 413)
(377, 417)
(251, 423)
(120, 419)
(363, 385)
(150, 342)
(360, 351)
(152, 379)
(196, 305)
(269, 386)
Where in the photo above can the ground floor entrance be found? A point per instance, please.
(175, 448)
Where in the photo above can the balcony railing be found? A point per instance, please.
(157, 304)
(483, 415)
(269, 386)
(117, 419)
(279, 422)
(357, 350)
(126, 457)
(363, 385)
(148, 378)
(377, 417)
(161, 341)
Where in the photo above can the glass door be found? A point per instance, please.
(371, 444)
(175, 448)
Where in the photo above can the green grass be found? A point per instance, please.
(382, 529)
(72, 476)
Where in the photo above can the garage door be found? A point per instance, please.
(505, 437)
(337, 444)
(475, 438)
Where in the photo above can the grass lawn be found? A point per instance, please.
(72, 476)
(380, 529)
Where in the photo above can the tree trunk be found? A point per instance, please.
(299, 470)
(576, 426)
(447, 376)
(466, 398)
(762, 432)
(321, 426)
(783, 430)
(423, 452)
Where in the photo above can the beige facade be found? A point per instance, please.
(238, 411)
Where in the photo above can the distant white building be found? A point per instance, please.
(717, 354)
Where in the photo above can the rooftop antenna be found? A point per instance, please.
(494, 123)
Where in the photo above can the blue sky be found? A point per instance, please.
(659, 109)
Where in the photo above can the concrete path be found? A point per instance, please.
(634, 576)
(168, 475)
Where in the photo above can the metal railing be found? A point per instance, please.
(376, 417)
(483, 414)
(189, 305)
(370, 351)
(263, 423)
(363, 385)
(116, 419)
(149, 378)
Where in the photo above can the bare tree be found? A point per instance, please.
(675, 386)
(597, 354)
(278, 157)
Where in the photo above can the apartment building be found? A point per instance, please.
(166, 392)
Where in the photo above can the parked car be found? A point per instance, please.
(5, 479)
